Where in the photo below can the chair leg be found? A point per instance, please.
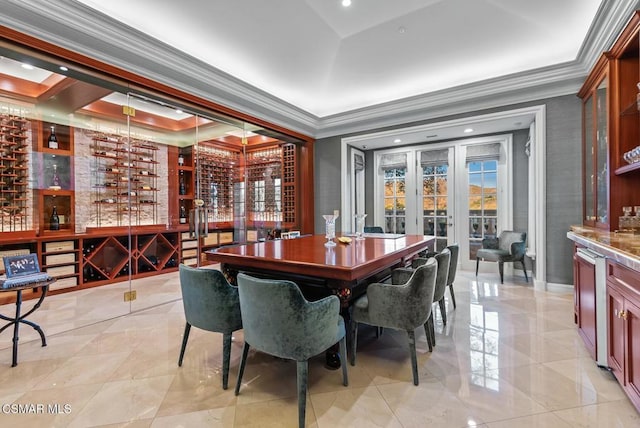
(427, 332)
(354, 341)
(414, 358)
(432, 328)
(453, 296)
(243, 361)
(524, 269)
(443, 310)
(303, 370)
(477, 264)
(187, 329)
(343, 351)
(501, 269)
(226, 356)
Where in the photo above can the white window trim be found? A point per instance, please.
(537, 162)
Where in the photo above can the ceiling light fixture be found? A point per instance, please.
(27, 66)
(63, 68)
(397, 141)
(468, 130)
(178, 111)
(346, 3)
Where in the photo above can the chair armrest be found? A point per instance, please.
(517, 250)
(490, 243)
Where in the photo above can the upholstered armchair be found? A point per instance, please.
(212, 304)
(279, 321)
(508, 247)
(399, 306)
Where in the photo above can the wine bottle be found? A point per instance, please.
(183, 214)
(55, 180)
(54, 220)
(53, 140)
(182, 189)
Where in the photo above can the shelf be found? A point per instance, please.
(627, 168)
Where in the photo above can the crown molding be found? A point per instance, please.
(76, 27)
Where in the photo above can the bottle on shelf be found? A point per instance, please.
(182, 188)
(55, 180)
(52, 142)
(183, 214)
(54, 220)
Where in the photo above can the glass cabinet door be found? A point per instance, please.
(588, 156)
(602, 162)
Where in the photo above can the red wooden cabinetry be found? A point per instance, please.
(623, 305)
(586, 303)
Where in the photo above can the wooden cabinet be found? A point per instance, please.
(585, 293)
(623, 304)
(611, 127)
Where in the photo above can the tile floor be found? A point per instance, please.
(509, 356)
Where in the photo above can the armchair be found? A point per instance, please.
(212, 304)
(509, 247)
(400, 306)
(279, 321)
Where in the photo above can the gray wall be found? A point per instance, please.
(563, 176)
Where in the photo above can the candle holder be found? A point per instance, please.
(360, 226)
(330, 228)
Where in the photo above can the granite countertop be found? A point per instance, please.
(622, 247)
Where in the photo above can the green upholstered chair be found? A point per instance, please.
(508, 247)
(399, 306)
(279, 321)
(373, 229)
(212, 304)
(443, 260)
(453, 268)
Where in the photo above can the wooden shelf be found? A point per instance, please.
(627, 168)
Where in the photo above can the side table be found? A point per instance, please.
(20, 318)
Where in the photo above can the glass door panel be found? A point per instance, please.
(602, 170)
(437, 213)
(395, 200)
(482, 204)
(589, 156)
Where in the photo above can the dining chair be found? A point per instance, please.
(404, 306)
(212, 304)
(508, 247)
(279, 321)
(373, 229)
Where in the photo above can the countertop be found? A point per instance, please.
(621, 247)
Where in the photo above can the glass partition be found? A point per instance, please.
(113, 188)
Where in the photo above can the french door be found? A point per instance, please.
(458, 191)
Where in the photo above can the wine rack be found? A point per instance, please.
(289, 167)
(218, 170)
(264, 191)
(125, 181)
(14, 172)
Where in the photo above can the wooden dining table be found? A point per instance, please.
(343, 270)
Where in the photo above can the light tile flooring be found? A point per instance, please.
(509, 356)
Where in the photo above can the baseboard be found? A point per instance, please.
(555, 287)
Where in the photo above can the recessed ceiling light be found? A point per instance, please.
(468, 130)
(27, 66)
(178, 111)
(63, 68)
(397, 140)
(402, 30)
(346, 3)
(432, 136)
